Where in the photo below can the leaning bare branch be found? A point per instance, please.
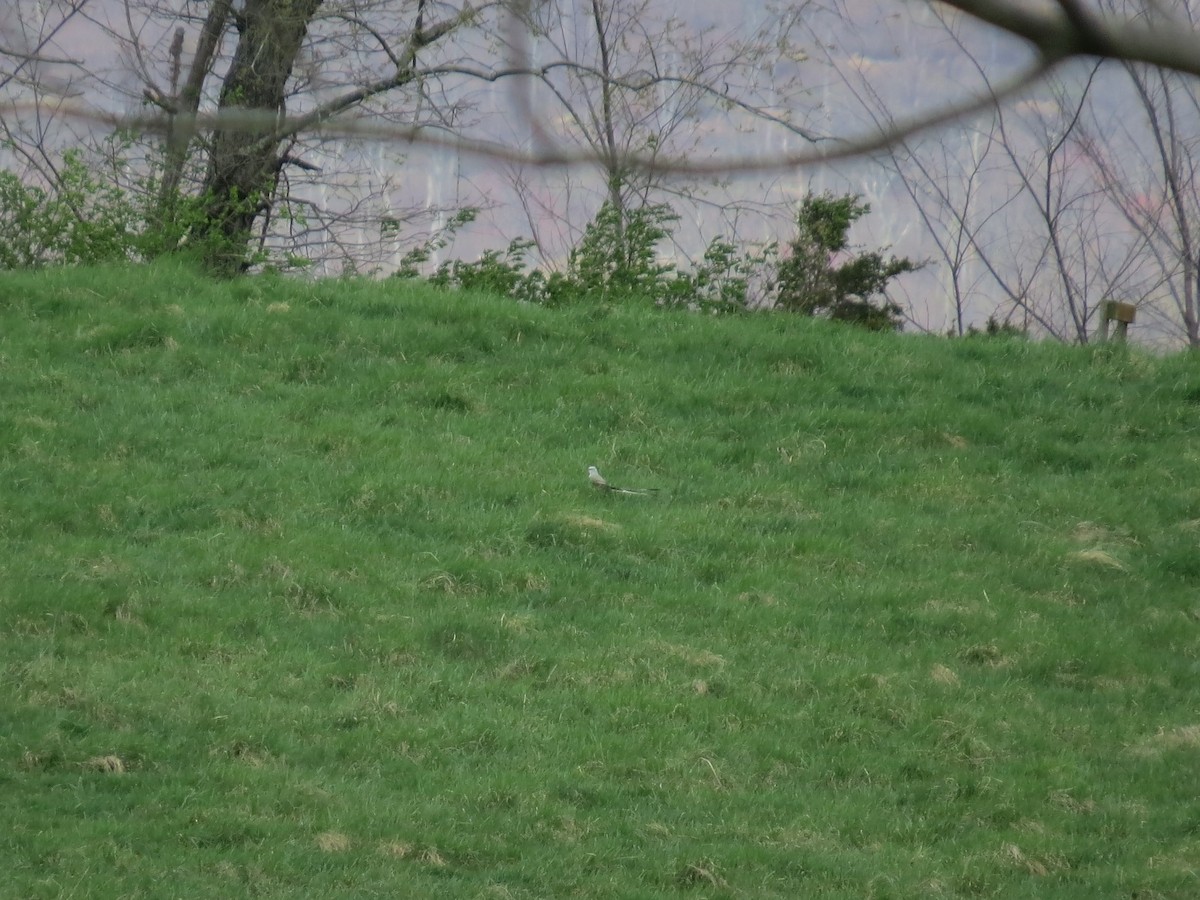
(322, 121)
(1066, 30)
(38, 57)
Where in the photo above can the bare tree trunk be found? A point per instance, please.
(187, 104)
(608, 132)
(243, 161)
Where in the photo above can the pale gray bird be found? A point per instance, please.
(600, 483)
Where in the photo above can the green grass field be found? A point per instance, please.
(304, 593)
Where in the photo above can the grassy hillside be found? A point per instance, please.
(304, 592)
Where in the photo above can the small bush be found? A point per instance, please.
(616, 260)
(994, 328)
(820, 276)
(87, 216)
(727, 279)
(80, 220)
(500, 272)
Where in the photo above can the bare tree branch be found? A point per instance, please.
(1057, 32)
(36, 57)
(36, 54)
(320, 121)
(1067, 29)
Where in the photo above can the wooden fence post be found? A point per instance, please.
(1121, 313)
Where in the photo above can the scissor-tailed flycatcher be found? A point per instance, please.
(601, 484)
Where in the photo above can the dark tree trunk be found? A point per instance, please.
(244, 159)
(185, 106)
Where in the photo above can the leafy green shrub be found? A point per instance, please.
(412, 261)
(87, 216)
(500, 272)
(996, 329)
(80, 220)
(813, 281)
(616, 258)
(726, 279)
(22, 243)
